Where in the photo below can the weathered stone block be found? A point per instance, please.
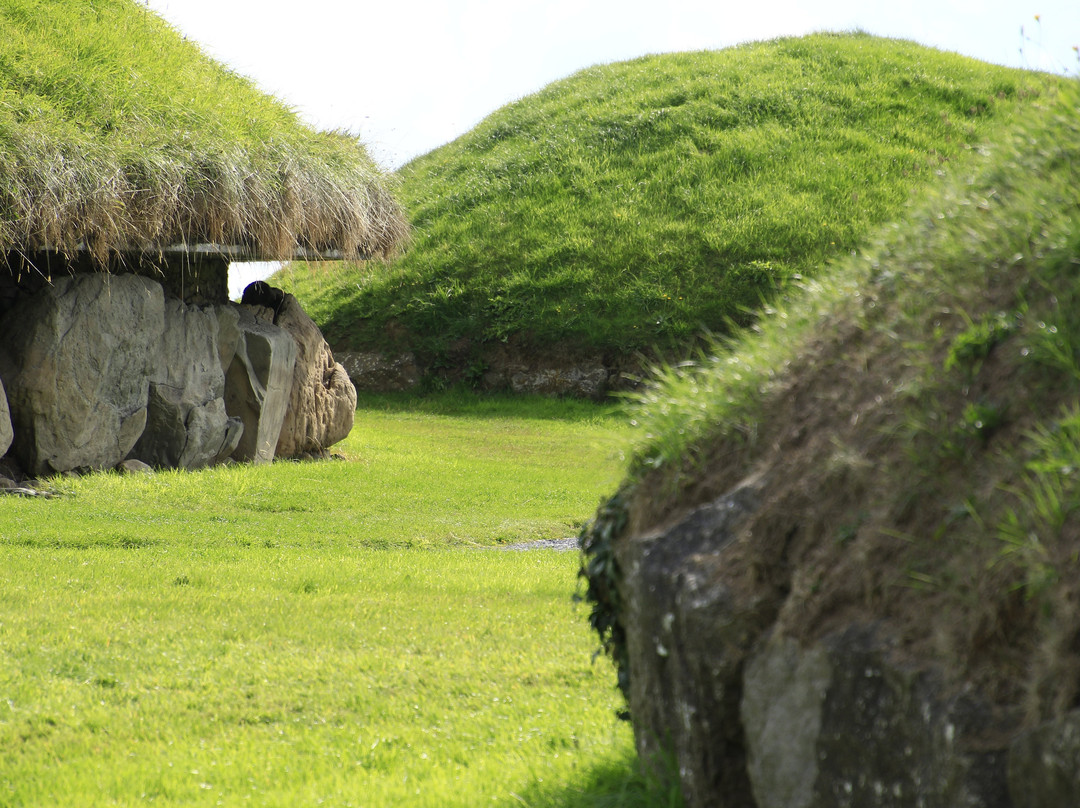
(322, 401)
(783, 695)
(228, 333)
(78, 356)
(688, 635)
(547, 374)
(840, 724)
(6, 434)
(258, 384)
(1044, 764)
(187, 424)
(752, 718)
(371, 370)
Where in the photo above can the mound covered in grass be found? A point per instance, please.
(118, 135)
(633, 206)
(910, 429)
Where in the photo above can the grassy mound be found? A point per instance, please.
(117, 134)
(915, 415)
(634, 205)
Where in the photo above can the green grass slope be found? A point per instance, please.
(634, 205)
(118, 133)
(916, 417)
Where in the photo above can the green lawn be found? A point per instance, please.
(456, 471)
(344, 632)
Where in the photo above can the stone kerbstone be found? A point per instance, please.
(687, 636)
(547, 373)
(371, 370)
(749, 717)
(1044, 764)
(322, 401)
(783, 696)
(840, 723)
(78, 356)
(6, 434)
(258, 384)
(585, 381)
(187, 423)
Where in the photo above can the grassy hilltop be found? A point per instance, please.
(634, 205)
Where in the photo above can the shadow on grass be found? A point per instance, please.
(616, 784)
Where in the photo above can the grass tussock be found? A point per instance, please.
(119, 135)
(634, 206)
(913, 415)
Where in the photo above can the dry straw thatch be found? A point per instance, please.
(119, 136)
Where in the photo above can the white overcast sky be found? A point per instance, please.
(410, 75)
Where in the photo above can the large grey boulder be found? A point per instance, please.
(688, 634)
(841, 723)
(257, 385)
(187, 423)
(1044, 764)
(750, 717)
(322, 401)
(228, 333)
(76, 364)
(5, 422)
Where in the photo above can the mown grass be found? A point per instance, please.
(409, 478)
(636, 205)
(344, 632)
(290, 677)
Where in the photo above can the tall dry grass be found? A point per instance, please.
(119, 135)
